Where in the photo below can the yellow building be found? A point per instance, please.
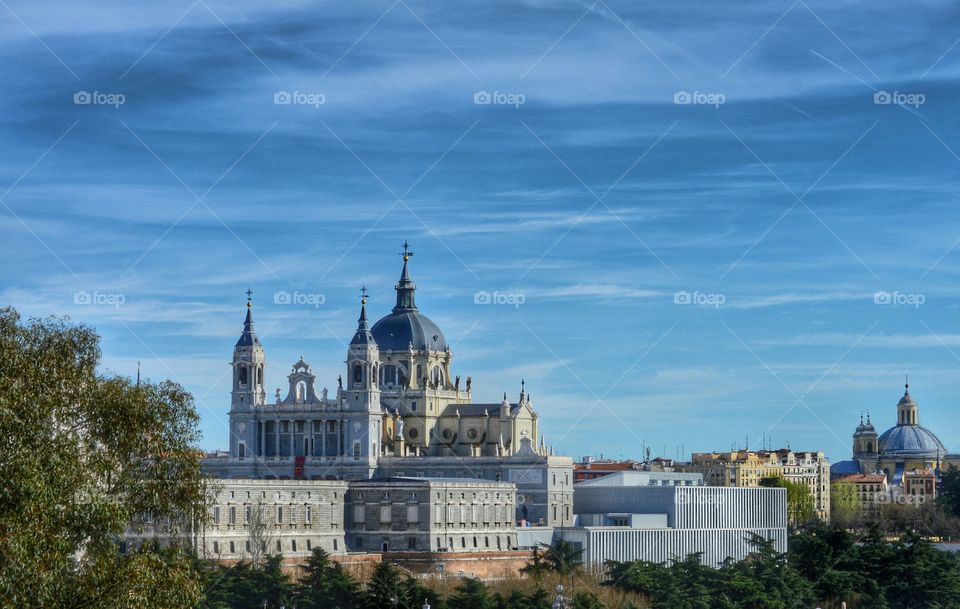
(748, 468)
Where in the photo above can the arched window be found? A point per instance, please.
(260, 375)
(869, 447)
(388, 375)
(243, 375)
(357, 373)
(437, 377)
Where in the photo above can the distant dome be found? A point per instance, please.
(913, 439)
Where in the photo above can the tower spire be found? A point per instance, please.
(249, 336)
(405, 287)
(363, 336)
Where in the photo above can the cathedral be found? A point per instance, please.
(905, 447)
(398, 410)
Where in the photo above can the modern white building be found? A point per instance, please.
(622, 517)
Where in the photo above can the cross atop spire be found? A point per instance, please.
(363, 295)
(406, 253)
(249, 297)
(405, 288)
(906, 384)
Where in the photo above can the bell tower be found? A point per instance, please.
(248, 364)
(361, 389)
(865, 439)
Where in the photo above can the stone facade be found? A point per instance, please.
(431, 515)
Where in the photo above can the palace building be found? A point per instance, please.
(399, 410)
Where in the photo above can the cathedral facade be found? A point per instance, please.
(398, 410)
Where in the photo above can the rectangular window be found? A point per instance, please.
(233, 515)
(356, 450)
(216, 515)
(386, 514)
(307, 514)
(232, 549)
(358, 514)
(279, 514)
(411, 543)
(309, 545)
(216, 547)
(413, 514)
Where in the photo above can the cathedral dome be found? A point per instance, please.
(406, 326)
(914, 439)
(397, 331)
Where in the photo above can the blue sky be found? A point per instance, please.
(782, 205)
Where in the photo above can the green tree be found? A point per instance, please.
(539, 599)
(82, 455)
(948, 490)
(471, 594)
(324, 584)
(585, 599)
(388, 588)
(536, 566)
(800, 504)
(845, 510)
(563, 557)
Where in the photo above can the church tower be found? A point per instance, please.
(248, 364)
(361, 391)
(865, 440)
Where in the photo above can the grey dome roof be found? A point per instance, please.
(406, 325)
(915, 439)
(399, 330)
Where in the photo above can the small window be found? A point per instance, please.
(279, 514)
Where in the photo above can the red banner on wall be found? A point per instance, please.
(298, 463)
